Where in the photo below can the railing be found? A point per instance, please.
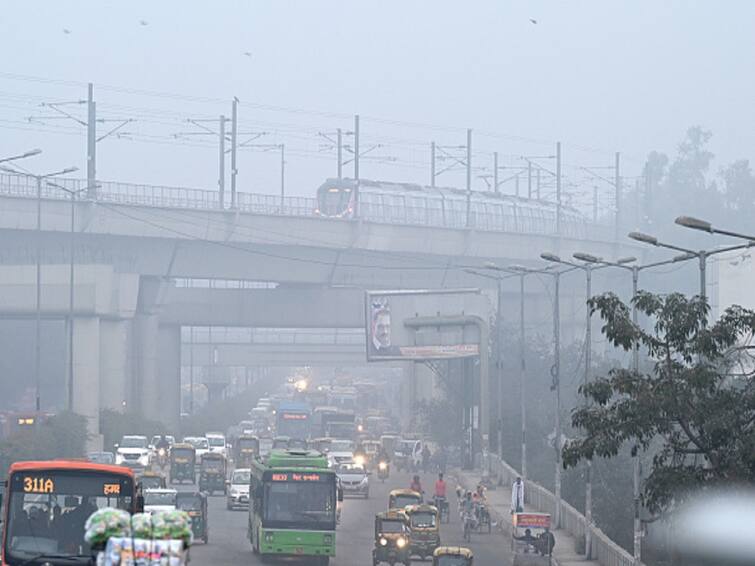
(604, 550)
(522, 221)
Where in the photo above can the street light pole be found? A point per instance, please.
(71, 279)
(38, 267)
(636, 464)
(702, 255)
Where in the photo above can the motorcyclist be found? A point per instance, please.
(416, 485)
(163, 443)
(383, 455)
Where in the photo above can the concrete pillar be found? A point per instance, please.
(168, 383)
(408, 395)
(145, 366)
(114, 364)
(86, 376)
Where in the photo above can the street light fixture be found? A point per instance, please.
(704, 226)
(30, 153)
(701, 255)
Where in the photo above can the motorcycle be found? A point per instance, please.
(162, 458)
(383, 471)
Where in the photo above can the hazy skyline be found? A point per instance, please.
(599, 76)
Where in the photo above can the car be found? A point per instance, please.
(159, 499)
(201, 446)
(238, 489)
(340, 452)
(217, 442)
(101, 457)
(133, 451)
(355, 480)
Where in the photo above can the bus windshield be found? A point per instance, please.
(47, 510)
(293, 425)
(310, 505)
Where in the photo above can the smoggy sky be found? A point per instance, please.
(601, 76)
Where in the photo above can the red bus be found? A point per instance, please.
(47, 503)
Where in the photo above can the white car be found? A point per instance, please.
(238, 489)
(216, 441)
(159, 500)
(354, 479)
(133, 451)
(200, 444)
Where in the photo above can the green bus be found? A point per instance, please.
(292, 511)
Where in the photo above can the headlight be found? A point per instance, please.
(382, 466)
(401, 542)
(144, 459)
(383, 541)
(327, 539)
(359, 460)
(268, 537)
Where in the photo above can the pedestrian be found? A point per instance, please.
(545, 543)
(517, 496)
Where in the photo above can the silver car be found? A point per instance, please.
(354, 479)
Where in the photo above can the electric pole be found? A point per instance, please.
(558, 188)
(234, 137)
(340, 154)
(356, 166)
(221, 164)
(469, 178)
(91, 144)
(617, 188)
(432, 164)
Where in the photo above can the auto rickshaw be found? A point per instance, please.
(452, 556)
(392, 538)
(195, 504)
(530, 539)
(424, 525)
(212, 472)
(153, 480)
(247, 449)
(182, 462)
(400, 498)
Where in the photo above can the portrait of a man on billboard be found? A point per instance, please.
(380, 329)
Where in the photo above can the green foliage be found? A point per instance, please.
(692, 410)
(114, 425)
(60, 436)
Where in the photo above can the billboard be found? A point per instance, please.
(424, 325)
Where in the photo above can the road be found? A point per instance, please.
(354, 538)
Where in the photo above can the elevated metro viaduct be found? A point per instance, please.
(127, 316)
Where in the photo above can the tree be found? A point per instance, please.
(60, 436)
(695, 411)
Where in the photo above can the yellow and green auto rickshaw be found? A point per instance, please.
(452, 556)
(195, 505)
(247, 449)
(424, 524)
(392, 538)
(212, 473)
(400, 498)
(183, 459)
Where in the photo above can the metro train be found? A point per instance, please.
(407, 203)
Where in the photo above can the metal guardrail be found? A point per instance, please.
(159, 196)
(604, 550)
